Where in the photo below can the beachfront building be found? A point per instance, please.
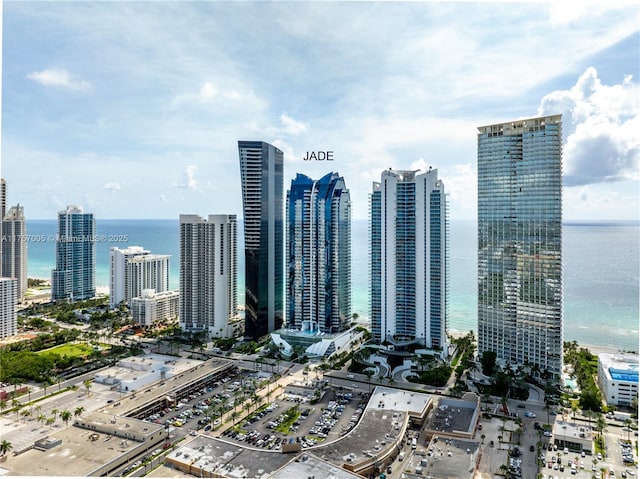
(319, 254)
(618, 378)
(73, 278)
(3, 206)
(520, 242)
(261, 173)
(208, 274)
(118, 277)
(408, 250)
(8, 302)
(149, 271)
(14, 248)
(152, 308)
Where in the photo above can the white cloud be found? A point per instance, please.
(291, 126)
(59, 78)
(112, 186)
(600, 124)
(189, 181)
(207, 92)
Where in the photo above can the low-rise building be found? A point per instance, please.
(315, 343)
(153, 308)
(618, 378)
(575, 437)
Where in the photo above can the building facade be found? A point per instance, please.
(208, 273)
(152, 308)
(261, 173)
(14, 250)
(618, 378)
(150, 271)
(118, 274)
(408, 251)
(8, 303)
(319, 254)
(520, 242)
(73, 278)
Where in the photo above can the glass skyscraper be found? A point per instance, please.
(408, 250)
(261, 173)
(319, 254)
(520, 242)
(75, 273)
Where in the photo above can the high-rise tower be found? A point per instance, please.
(319, 254)
(520, 242)
(133, 270)
(261, 171)
(208, 273)
(74, 275)
(408, 243)
(14, 250)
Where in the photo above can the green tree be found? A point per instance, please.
(5, 447)
(488, 362)
(87, 385)
(65, 416)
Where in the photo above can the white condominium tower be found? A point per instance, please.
(8, 302)
(133, 270)
(118, 277)
(14, 248)
(74, 275)
(408, 243)
(520, 242)
(208, 273)
(319, 254)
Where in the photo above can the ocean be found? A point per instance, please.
(601, 271)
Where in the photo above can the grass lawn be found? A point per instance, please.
(79, 350)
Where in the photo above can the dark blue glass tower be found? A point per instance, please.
(261, 172)
(319, 254)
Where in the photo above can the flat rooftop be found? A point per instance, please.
(218, 458)
(452, 416)
(447, 457)
(307, 465)
(80, 452)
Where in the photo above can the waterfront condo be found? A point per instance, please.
(261, 173)
(74, 276)
(520, 242)
(319, 254)
(208, 274)
(408, 242)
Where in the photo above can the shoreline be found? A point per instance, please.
(102, 290)
(594, 349)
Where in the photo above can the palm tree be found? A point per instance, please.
(25, 413)
(65, 416)
(41, 418)
(5, 447)
(87, 384)
(78, 411)
(3, 404)
(50, 421)
(55, 412)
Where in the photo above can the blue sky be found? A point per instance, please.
(134, 109)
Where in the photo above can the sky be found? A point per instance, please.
(134, 109)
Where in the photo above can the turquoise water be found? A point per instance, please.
(601, 271)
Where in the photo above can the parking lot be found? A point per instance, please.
(287, 418)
